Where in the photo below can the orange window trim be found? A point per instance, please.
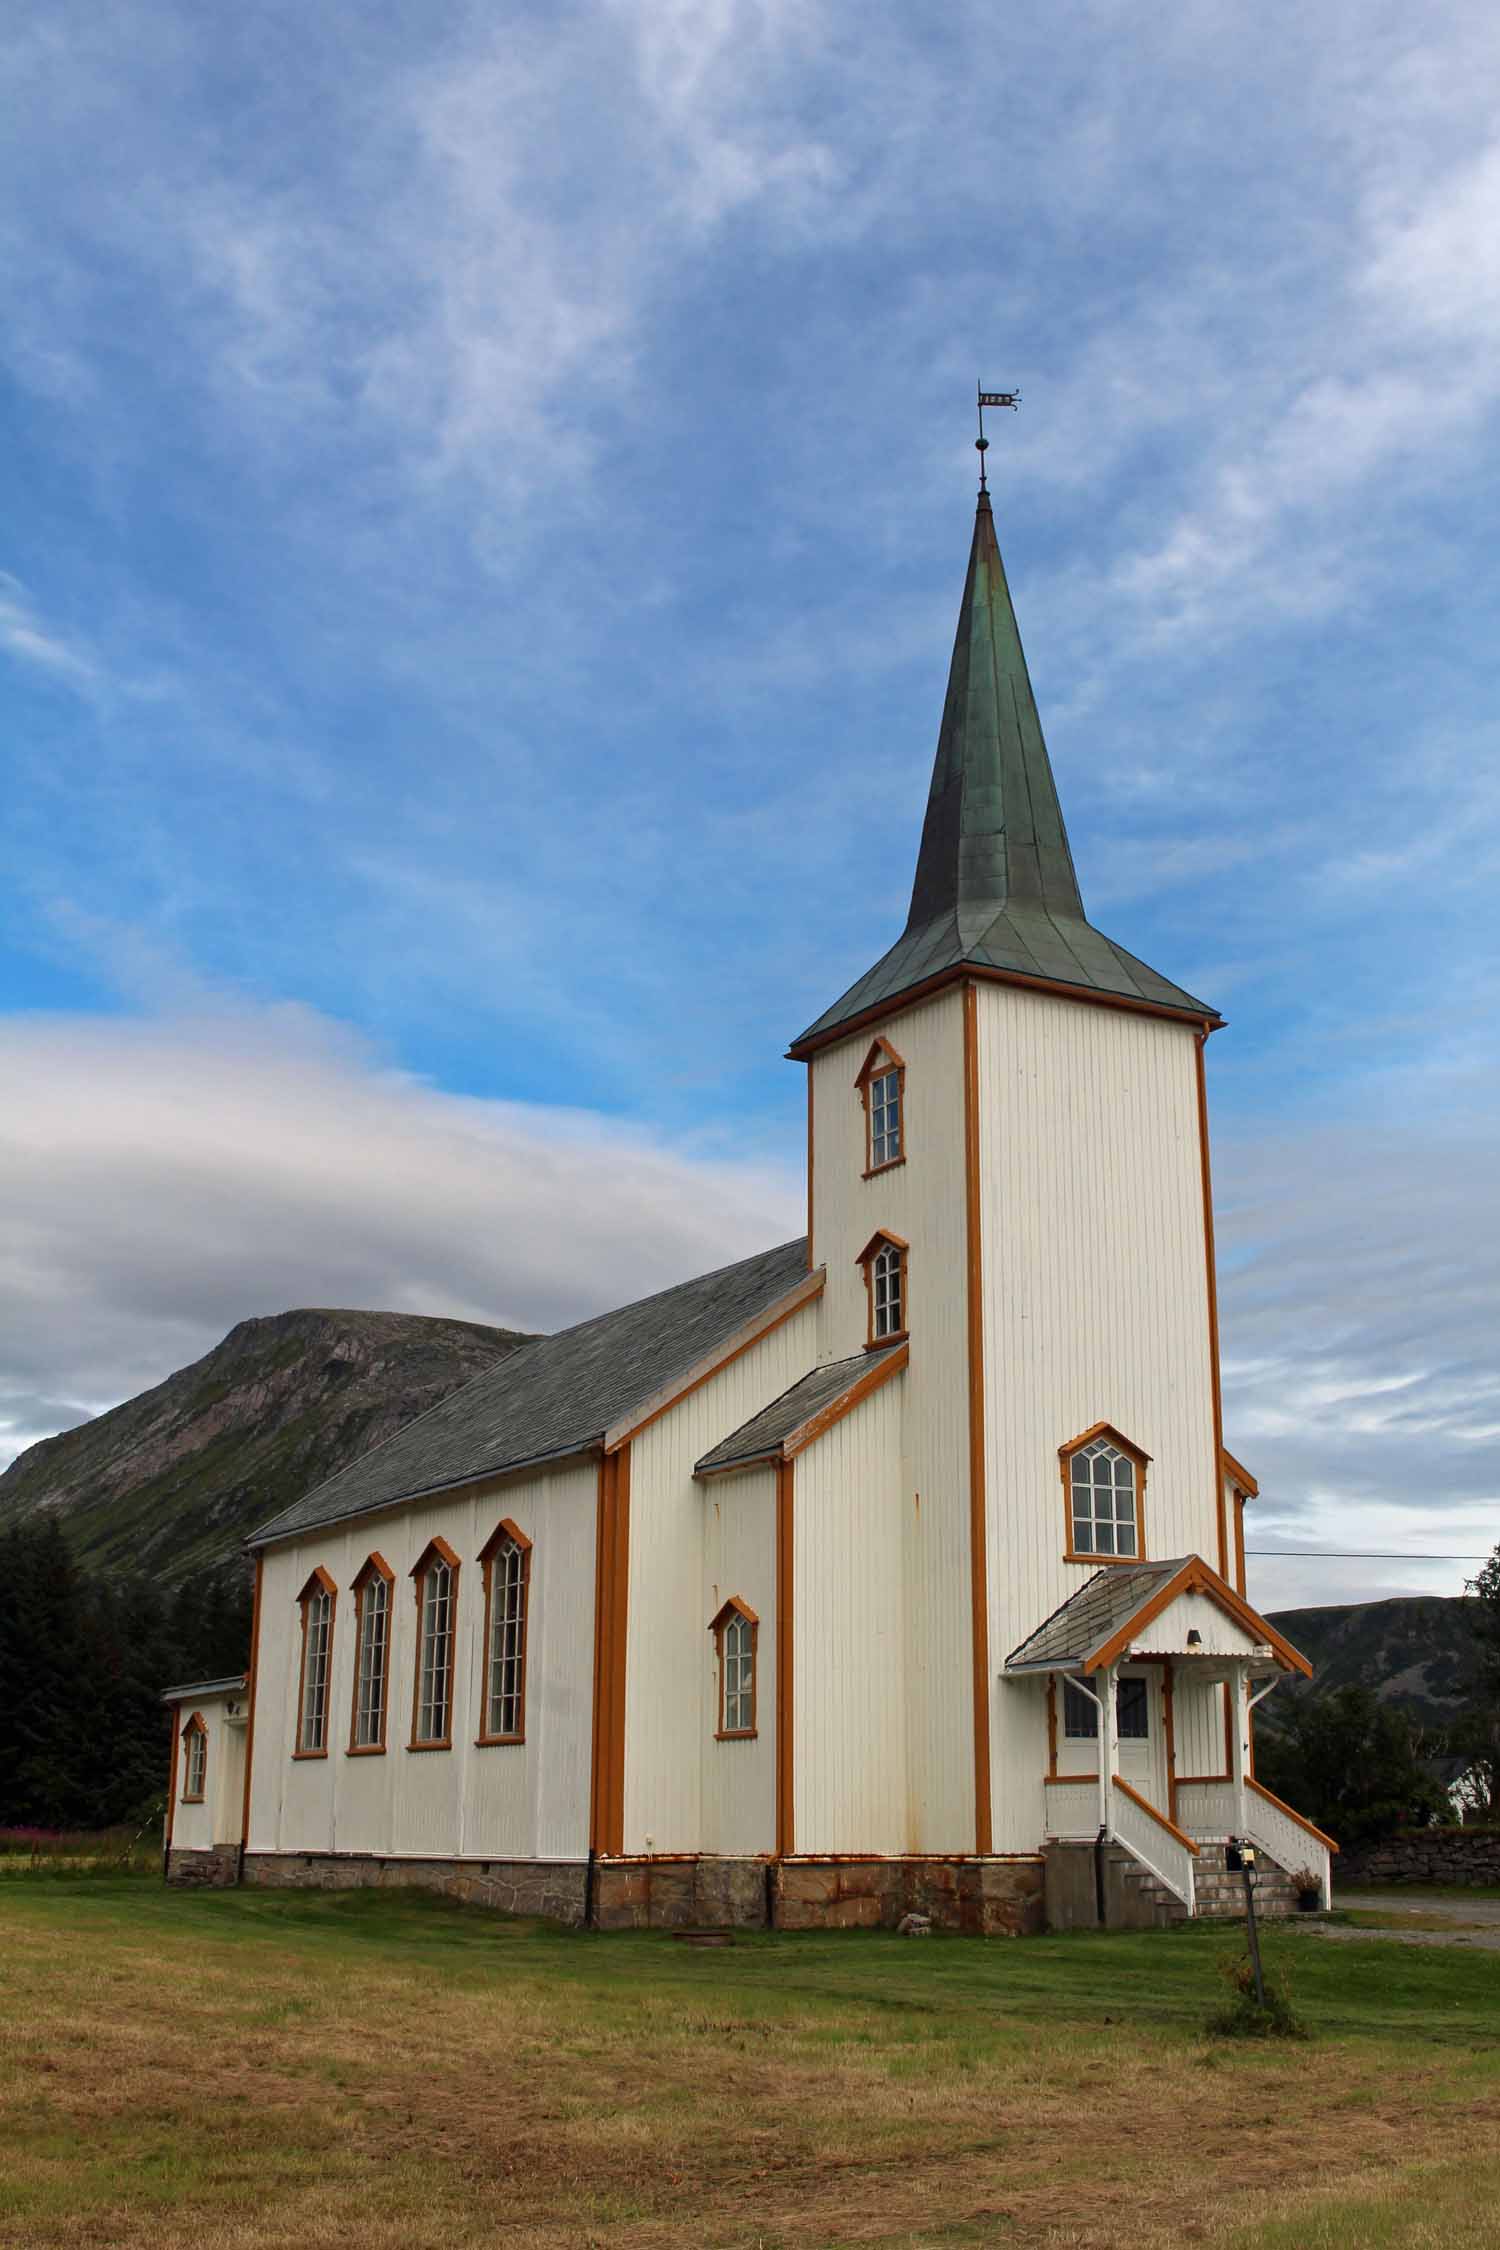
(197, 1726)
(1132, 1453)
(260, 1566)
(733, 1608)
(881, 1058)
(436, 1549)
(884, 1239)
(505, 1532)
(979, 1578)
(318, 1582)
(373, 1566)
(785, 1778)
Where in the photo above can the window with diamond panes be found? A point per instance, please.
(372, 1664)
(435, 1654)
(1102, 1489)
(887, 1293)
(884, 1097)
(317, 1651)
(505, 1702)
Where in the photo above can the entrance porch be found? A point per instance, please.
(1150, 1673)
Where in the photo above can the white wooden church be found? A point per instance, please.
(897, 1567)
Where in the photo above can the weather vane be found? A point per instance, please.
(1012, 399)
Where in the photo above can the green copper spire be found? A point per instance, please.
(995, 885)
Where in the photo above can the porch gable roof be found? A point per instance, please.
(1113, 1609)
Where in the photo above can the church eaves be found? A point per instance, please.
(995, 888)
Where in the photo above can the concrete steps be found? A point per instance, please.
(1135, 1899)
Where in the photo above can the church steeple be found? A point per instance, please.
(995, 886)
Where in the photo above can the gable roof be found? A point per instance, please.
(556, 1396)
(995, 885)
(774, 1432)
(1093, 1626)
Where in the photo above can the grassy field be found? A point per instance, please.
(394, 2073)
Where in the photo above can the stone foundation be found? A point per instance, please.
(217, 1869)
(553, 1889)
(980, 1897)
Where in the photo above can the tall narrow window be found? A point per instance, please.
(506, 1557)
(1080, 1714)
(884, 1260)
(195, 1759)
(882, 1089)
(317, 1600)
(436, 1578)
(372, 1659)
(734, 1630)
(1104, 1486)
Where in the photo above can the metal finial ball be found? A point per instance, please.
(981, 445)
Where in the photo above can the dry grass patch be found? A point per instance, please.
(252, 2069)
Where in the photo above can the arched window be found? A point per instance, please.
(435, 1576)
(372, 1655)
(882, 1089)
(317, 1599)
(1104, 1491)
(884, 1258)
(194, 1759)
(506, 1556)
(735, 1630)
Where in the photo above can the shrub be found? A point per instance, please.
(1242, 2016)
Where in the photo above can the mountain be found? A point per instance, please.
(172, 1480)
(1416, 1651)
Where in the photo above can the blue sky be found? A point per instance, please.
(488, 492)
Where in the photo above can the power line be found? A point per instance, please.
(1353, 1554)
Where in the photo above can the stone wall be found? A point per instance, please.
(1422, 1855)
(680, 1894)
(515, 1886)
(217, 1869)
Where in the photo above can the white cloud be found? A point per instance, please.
(24, 636)
(159, 1182)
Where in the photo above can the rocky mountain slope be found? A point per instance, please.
(172, 1480)
(1416, 1651)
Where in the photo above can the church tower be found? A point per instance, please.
(1008, 1183)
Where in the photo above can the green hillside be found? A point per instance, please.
(1416, 1650)
(172, 1480)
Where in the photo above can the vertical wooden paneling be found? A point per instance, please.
(527, 1800)
(1093, 1228)
(739, 1559)
(922, 1200)
(849, 1654)
(666, 1712)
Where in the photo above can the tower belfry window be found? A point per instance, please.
(882, 1089)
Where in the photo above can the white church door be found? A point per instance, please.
(1141, 1757)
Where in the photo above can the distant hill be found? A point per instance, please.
(172, 1480)
(1416, 1651)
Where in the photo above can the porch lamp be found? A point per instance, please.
(1195, 1638)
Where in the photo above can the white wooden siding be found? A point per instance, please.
(921, 1200)
(218, 1819)
(852, 1655)
(665, 1711)
(528, 1800)
(1095, 1307)
(1198, 1724)
(739, 1558)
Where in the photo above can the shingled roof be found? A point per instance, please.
(764, 1436)
(555, 1396)
(1092, 1616)
(995, 885)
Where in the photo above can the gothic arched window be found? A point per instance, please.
(884, 1258)
(317, 1600)
(882, 1089)
(372, 1655)
(506, 1557)
(194, 1759)
(435, 1576)
(735, 1630)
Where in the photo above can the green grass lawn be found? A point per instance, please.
(379, 2069)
